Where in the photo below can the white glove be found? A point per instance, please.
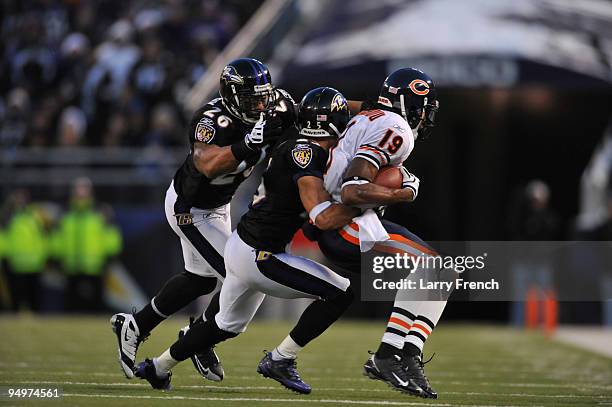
(409, 180)
(256, 136)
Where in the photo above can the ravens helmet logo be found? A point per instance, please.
(230, 75)
(338, 103)
(302, 154)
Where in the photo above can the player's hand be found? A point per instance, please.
(255, 138)
(409, 180)
(264, 132)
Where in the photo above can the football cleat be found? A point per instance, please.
(414, 367)
(206, 363)
(283, 371)
(128, 337)
(146, 370)
(391, 371)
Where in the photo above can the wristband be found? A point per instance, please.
(354, 181)
(314, 212)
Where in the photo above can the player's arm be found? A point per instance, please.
(213, 160)
(316, 200)
(358, 188)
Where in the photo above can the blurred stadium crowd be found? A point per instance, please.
(94, 73)
(106, 73)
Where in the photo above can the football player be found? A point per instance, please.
(259, 265)
(227, 137)
(384, 135)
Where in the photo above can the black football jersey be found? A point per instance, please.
(214, 124)
(273, 219)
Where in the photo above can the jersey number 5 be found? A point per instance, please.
(394, 144)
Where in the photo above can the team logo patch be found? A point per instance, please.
(204, 130)
(183, 219)
(399, 128)
(338, 103)
(302, 154)
(419, 87)
(230, 75)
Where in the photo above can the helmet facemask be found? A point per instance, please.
(248, 105)
(427, 119)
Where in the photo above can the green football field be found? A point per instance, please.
(474, 365)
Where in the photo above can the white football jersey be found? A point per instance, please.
(378, 136)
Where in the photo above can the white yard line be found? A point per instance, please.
(275, 400)
(335, 389)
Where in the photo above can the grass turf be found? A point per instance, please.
(474, 365)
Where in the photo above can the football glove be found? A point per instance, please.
(255, 138)
(409, 180)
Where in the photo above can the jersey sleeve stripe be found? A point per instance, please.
(377, 149)
(370, 159)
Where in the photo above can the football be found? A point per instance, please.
(390, 177)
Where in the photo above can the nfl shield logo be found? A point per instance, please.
(302, 154)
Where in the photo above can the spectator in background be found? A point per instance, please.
(72, 126)
(84, 243)
(105, 57)
(25, 248)
(15, 121)
(531, 220)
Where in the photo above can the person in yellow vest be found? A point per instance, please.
(83, 243)
(25, 249)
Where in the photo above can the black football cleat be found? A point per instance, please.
(206, 363)
(391, 371)
(283, 371)
(146, 370)
(414, 366)
(128, 338)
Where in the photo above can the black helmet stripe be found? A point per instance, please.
(256, 74)
(262, 70)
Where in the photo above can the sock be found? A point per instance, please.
(213, 307)
(429, 314)
(319, 316)
(148, 318)
(164, 363)
(178, 291)
(200, 337)
(287, 349)
(399, 323)
(386, 351)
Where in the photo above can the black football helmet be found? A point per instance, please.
(411, 93)
(323, 112)
(246, 89)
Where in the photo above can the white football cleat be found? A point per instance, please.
(128, 338)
